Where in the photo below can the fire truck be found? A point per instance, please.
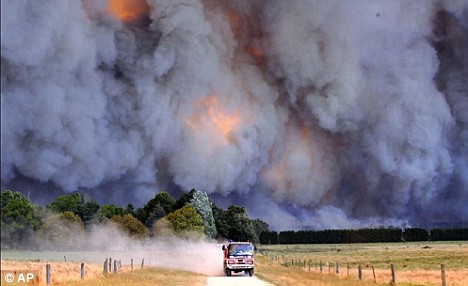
(238, 257)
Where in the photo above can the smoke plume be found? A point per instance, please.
(311, 113)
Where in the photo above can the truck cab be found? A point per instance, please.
(238, 257)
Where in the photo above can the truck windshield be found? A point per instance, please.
(240, 249)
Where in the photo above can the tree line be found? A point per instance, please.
(192, 216)
(367, 235)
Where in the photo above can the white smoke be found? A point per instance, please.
(352, 109)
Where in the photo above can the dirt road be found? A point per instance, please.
(236, 280)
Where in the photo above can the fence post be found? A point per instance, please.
(309, 264)
(442, 270)
(110, 264)
(48, 275)
(337, 268)
(82, 270)
(131, 263)
(65, 258)
(373, 272)
(329, 267)
(360, 272)
(104, 271)
(304, 264)
(142, 263)
(320, 266)
(393, 274)
(347, 268)
(115, 266)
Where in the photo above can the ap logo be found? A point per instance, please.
(9, 277)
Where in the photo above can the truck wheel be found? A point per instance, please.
(250, 272)
(228, 272)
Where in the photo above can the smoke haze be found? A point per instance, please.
(327, 114)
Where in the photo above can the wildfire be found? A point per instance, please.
(210, 115)
(128, 10)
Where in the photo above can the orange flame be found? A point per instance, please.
(210, 114)
(128, 10)
(223, 121)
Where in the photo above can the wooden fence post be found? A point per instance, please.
(82, 270)
(65, 258)
(337, 267)
(373, 272)
(309, 264)
(142, 263)
(48, 275)
(360, 272)
(442, 270)
(131, 263)
(115, 266)
(347, 268)
(304, 264)
(393, 274)
(320, 266)
(329, 267)
(110, 265)
(104, 271)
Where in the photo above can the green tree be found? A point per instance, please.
(240, 227)
(259, 227)
(64, 231)
(156, 208)
(203, 205)
(130, 209)
(221, 222)
(65, 203)
(131, 225)
(186, 219)
(88, 211)
(109, 211)
(184, 199)
(81, 205)
(19, 219)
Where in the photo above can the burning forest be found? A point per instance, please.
(321, 114)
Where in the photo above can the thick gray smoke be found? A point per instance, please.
(312, 113)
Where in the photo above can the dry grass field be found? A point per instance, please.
(415, 263)
(68, 273)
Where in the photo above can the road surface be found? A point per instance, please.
(236, 280)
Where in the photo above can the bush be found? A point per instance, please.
(19, 219)
(63, 231)
(186, 220)
(131, 225)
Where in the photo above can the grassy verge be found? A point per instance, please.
(276, 274)
(147, 277)
(405, 256)
(415, 263)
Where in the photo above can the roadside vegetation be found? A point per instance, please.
(146, 277)
(25, 225)
(276, 274)
(414, 263)
(405, 256)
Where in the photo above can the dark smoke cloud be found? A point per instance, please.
(311, 113)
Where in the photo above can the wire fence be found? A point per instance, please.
(359, 271)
